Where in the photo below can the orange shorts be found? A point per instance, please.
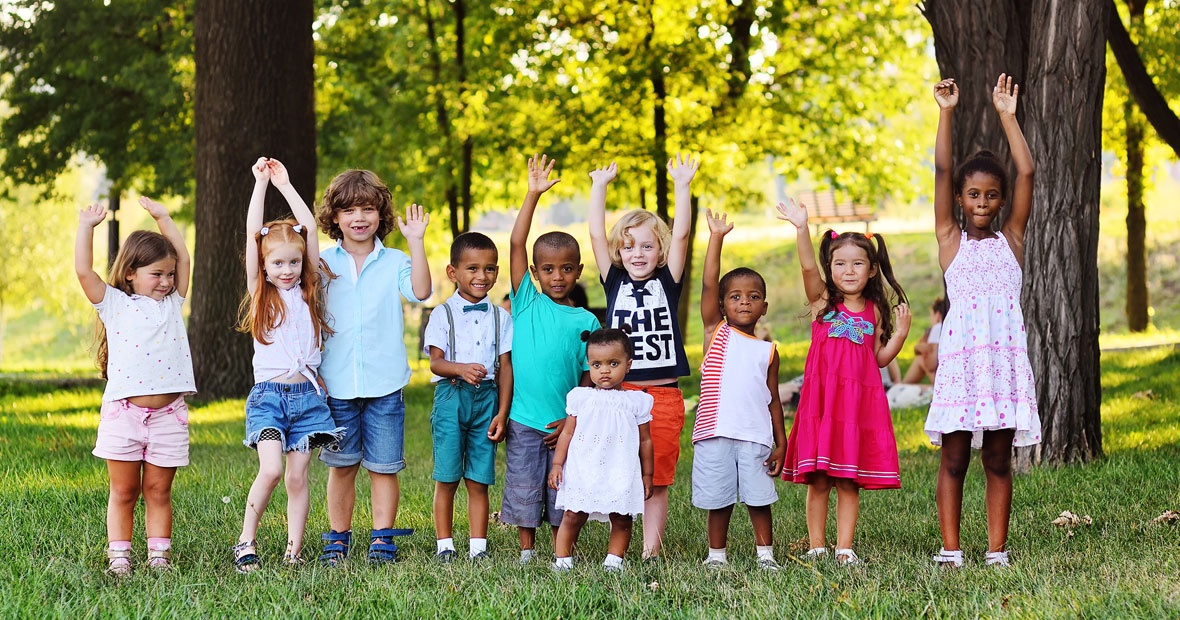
(667, 423)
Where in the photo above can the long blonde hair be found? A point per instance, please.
(142, 248)
(619, 236)
(263, 311)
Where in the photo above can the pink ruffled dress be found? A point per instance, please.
(984, 379)
(842, 426)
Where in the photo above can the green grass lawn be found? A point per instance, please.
(53, 534)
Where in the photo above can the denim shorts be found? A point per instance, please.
(528, 500)
(459, 424)
(295, 410)
(724, 470)
(376, 436)
(128, 432)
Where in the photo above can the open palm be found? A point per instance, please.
(1004, 95)
(793, 212)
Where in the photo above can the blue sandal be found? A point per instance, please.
(336, 547)
(385, 552)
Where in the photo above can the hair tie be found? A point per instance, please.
(264, 231)
(834, 235)
(297, 228)
(868, 235)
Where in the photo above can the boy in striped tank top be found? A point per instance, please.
(738, 438)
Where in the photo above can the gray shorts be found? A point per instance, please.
(528, 500)
(725, 469)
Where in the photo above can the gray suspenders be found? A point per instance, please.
(451, 337)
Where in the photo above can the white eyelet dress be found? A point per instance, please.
(984, 379)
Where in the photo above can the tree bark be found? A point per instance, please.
(1137, 297)
(1063, 106)
(254, 97)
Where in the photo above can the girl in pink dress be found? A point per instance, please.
(842, 435)
(984, 396)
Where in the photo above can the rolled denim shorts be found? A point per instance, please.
(296, 411)
(128, 432)
(376, 433)
(459, 424)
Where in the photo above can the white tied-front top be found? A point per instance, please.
(293, 348)
(147, 346)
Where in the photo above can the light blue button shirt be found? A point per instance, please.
(366, 357)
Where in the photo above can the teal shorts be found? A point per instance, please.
(459, 428)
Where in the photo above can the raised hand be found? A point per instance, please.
(154, 209)
(414, 226)
(600, 176)
(1004, 95)
(717, 223)
(793, 212)
(539, 169)
(946, 93)
(92, 215)
(901, 318)
(682, 168)
(278, 173)
(260, 170)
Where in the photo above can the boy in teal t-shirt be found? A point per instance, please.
(549, 361)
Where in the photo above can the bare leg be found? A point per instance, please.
(916, 371)
(655, 517)
(567, 534)
(761, 519)
(125, 487)
(444, 508)
(997, 467)
(385, 492)
(528, 537)
(956, 458)
(847, 510)
(341, 496)
(157, 500)
(717, 524)
(819, 490)
(298, 499)
(270, 470)
(477, 509)
(620, 534)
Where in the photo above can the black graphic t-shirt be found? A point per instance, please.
(649, 308)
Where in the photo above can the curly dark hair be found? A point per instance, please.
(355, 188)
(611, 335)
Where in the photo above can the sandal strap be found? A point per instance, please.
(849, 556)
(949, 557)
(336, 546)
(118, 554)
(159, 554)
(995, 557)
(390, 532)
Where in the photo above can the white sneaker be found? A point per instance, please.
(714, 563)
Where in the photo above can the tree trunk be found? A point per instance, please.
(451, 192)
(660, 144)
(459, 8)
(1063, 106)
(254, 97)
(974, 42)
(1151, 101)
(1056, 52)
(1137, 298)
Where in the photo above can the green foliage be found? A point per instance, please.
(111, 80)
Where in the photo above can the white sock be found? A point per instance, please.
(717, 554)
(612, 560)
(526, 555)
(446, 544)
(566, 562)
(478, 546)
(765, 553)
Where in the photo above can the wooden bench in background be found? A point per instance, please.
(822, 209)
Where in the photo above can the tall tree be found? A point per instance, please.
(1134, 123)
(254, 97)
(1058, 57)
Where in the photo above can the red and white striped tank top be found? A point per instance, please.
(735, 400)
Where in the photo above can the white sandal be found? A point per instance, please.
(996, 558)
(815, 553)
(847, 557)
(951, 559)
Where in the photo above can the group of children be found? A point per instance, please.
(591, 415)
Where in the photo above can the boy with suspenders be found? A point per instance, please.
(469, 344)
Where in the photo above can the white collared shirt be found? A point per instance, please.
(475, 332)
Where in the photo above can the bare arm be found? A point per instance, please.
(889, 350)
(946, 93)
(168, 228)
(1004, 97)
(254, 215)
(539, 183)
(710, 293)
(774, 464)
(499, 425)
(646, 458)
(682, 170)
(414, 230)
(303, 215)
(559, 454)
(470, 373)
(813, 282)
(600, 179)
(92, 283)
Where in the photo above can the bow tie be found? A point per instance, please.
(483, 305)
